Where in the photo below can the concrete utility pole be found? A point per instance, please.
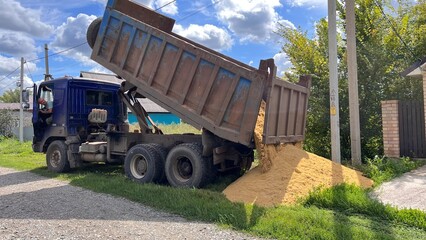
(47, 76)
(21, 108)
(353, 83)
(334, 85)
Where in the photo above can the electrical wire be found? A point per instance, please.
(165, 5)
(56, 53)
(29, 72)
(394, 29)
(198, 10)
(32, 60)
(10, 73)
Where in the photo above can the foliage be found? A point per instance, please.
(6, 122)
(209, 205)
(381, 169)
(381, 57)
(10, 96)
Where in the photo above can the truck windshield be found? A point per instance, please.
(98, 98)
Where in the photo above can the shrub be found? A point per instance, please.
(6, 123)
(381, 169)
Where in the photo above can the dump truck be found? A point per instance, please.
(212, 92)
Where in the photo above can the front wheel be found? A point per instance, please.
(185, 166)
(56, 157)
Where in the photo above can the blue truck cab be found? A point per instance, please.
(70, 111)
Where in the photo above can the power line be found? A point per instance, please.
(198, 10)
(165, 5)
(32, 60)
(56, 53)
(10, 73)
(28, 69)
(394, 29)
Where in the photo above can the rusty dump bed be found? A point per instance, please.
(204, 88)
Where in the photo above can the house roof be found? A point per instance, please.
(14, 106)
(151, 107)
(415, 70)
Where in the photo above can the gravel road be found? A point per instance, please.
(407, 191)
(34, 207)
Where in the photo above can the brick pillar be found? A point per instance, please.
(390, 128)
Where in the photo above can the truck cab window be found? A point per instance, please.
(98, 98)
(46, 94)
(45, 101)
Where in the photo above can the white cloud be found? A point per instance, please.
(17, 18)
(282, 63)
(17, 44)
(308, 3)
(250, 20)
(100, 69)
(72, 33)
(169, 6)
(10, 73)
(207, 35)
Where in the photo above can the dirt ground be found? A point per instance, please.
(34, 207)
(407, 191)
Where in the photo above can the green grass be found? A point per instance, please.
(382, 169)
(172, 128)
(331, 215)
(351, 199)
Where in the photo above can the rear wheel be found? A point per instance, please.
(162, 152)
(92, 32)
(56, 157)
(185, 166)
(143, 164)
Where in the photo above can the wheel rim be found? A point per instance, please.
(138, 166)
(55, 158)
(183, 169)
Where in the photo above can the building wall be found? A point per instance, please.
(390, 128)
(157, 118)
(27, 118)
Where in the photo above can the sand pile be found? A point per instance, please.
(287, 172)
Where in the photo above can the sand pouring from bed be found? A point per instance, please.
(286, 172)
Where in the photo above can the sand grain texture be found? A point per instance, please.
(286, 172)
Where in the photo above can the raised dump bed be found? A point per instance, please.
(204, 88)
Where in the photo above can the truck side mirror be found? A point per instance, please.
(25, 96)
(25, 105)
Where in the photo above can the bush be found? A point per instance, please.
(381, 169)
(6, 123)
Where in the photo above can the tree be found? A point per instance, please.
(10, 96)
(383, 51)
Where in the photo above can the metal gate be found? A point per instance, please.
(412, 129)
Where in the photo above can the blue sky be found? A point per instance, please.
(241, 29)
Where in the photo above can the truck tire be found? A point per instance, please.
(92, 32)
(143, 164)
(185, 166)
(57, 158)
(162, 152)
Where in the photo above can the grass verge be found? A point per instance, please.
(309, 221)
(382, 169)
